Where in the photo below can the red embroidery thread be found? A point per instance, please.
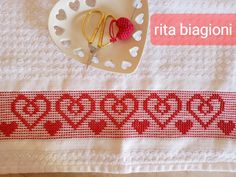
(226, 127)
(184, 126)
(97, 126)
(167, 108)
(210, 109)
(36, 109)
(117, 114)
(53, 127)
(8, 129)
(77, 113)
(141, 126)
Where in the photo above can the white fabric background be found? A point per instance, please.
(120, 156)
(30, 61)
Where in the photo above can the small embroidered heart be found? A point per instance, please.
(140, 19)
(53, 127)
(7, 129)
(97, 126)
(184, 126)
(134, 51)
(91, 3)
(58, 30)
(74, 5)
(141, 126)
(226, 127)
(138, 35)
(61, 15)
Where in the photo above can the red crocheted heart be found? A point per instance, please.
(125, 29)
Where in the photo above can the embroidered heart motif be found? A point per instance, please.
(184, 126)
(119, 111)
(162, 111)
(31, 112)
(226, 127)
(206, 111)
(74, 5)
(141, 126)
(97, 127)
(75, 111)
(53, 128)
(8, 129)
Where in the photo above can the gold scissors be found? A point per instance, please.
(96, 39)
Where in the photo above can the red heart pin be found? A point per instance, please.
(162, 111)
(119, 111)
(75, 111)
(53, 127)
(97, 126)
(141, 126)
(206, 111)
(31, 112)
(226, 127)
(184, 126)
(8, 128)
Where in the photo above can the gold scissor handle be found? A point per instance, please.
(101, 26)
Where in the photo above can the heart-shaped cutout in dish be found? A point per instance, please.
(127, 51)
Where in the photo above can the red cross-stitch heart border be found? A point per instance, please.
(117, 114)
